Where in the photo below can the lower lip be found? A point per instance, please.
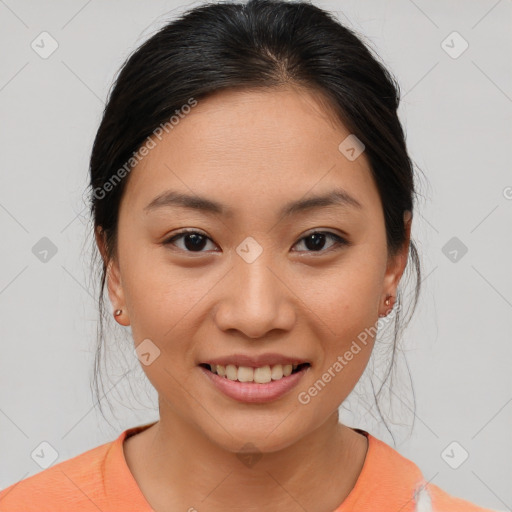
(252, 392)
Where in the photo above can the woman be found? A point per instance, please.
(252, 198)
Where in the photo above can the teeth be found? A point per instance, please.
(277, 372)
(261, 375)
(245, 374)
(231, 372)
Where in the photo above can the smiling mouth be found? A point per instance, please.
(260, 375)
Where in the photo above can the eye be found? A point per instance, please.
(194, 241)
(316, 240)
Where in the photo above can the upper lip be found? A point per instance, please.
(255, 361)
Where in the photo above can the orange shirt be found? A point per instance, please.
(100, 480)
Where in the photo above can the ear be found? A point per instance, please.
(397, 263)
(112, 279)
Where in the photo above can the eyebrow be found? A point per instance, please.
(170, 198)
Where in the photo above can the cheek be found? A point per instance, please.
(157, 294)
(160, 302)
(348, 306)
(349, 298)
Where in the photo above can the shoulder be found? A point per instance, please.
(441, 501)
(390, 479)
(73, 483)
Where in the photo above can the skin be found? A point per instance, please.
(253, 151)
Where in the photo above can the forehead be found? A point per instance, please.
(250, 147)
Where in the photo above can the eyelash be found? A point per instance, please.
(338, 240)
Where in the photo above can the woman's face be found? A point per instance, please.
(252, 282)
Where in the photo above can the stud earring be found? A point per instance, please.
(117, 312)
(386, 302)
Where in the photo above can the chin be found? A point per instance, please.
(267, 434)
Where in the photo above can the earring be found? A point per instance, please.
(117, 312)
(386, 302)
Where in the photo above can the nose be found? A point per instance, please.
(256, 298)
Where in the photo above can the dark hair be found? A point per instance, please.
(258, 44)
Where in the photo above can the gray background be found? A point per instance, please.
(457, 114)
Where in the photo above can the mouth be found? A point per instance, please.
(254, 384)
(256, 375)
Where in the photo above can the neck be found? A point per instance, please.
(176, 464)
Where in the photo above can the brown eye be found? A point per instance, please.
(315, 242)
(193, 241)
